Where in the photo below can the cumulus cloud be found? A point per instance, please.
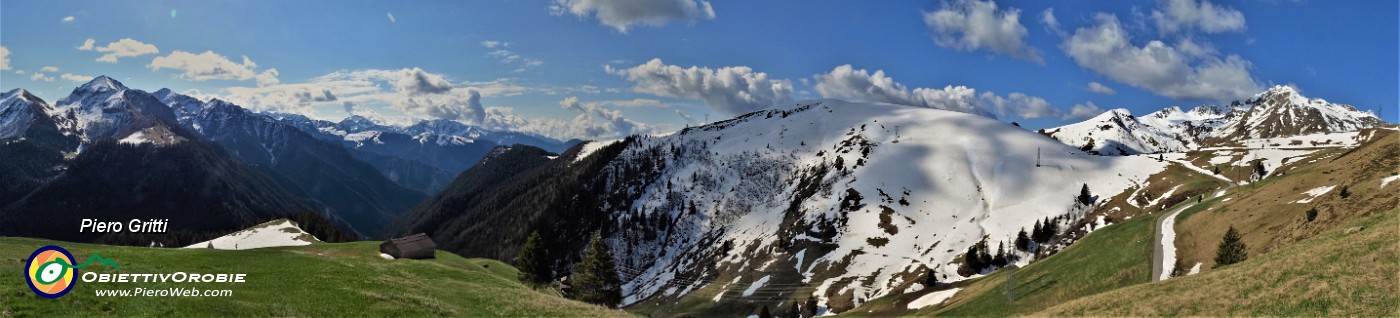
(971, 25)
(733, 90)
(1019, 104)
(212, 66)
(391, 17)
(616, 121)
(417, 82)
(68, 19)
(1165, 70)
(847, 82)
(621, 15)
(40, 77)
(76, 78)
(1101, 89)
(4, 59)
(1173, 16)
(125, 47)
(48, 69)
(1083, 111)
(87, 45)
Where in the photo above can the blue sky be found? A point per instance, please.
(594, 69)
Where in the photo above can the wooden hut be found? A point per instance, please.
(416, 246)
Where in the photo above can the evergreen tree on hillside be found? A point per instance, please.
(931, 278)
(1037, 232)
(811, 307)
(533, 262)
(764, 313)
(1000, 259)
(595, 277)
(1023, 242)
(793, 311)
(1085, 197)
(1232, 249)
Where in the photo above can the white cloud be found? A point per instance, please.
(1019, 104)
(973, 25)
(412, 94)
(1047, 18)
(4, 59)
(87, 45)
(76, 78)
(493, 44)
(465, 107)
(20, 72)
(688, 119)
(48, 69)
(847, 82)
(212, 66)
(391, 18)
(510, 57)
(40, 77)
(619, 124)
(125, 47)
(1158, 67)
(1180, 15)
(1101, 89)
(267, 78)
(67, 19)
(733, 90)
(621, 15)
(1083, 111)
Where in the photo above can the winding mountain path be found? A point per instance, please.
(1164, 252)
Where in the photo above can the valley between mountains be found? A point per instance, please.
(830, 206)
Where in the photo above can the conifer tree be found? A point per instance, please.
(1232, 249)
(1085, 197)
(793, 311)
(1037, 232)
(533, 262)
(595, 277)
(1023, 242)
(764, 313)
(811, 307)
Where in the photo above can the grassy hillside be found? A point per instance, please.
(1271, 214)
(1347, 271)
(335, 280)
(1115, 256)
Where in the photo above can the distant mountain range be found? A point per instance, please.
(1277, 112)
(121, 152)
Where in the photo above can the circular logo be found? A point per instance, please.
(50, 271)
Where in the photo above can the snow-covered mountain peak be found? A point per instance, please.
(101, 84)
(357, 123)
(20, 93)
(1279, 111)
(18, 109)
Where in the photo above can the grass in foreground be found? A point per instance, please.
(1350, 270)
(321, 280)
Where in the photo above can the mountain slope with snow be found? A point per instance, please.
(865, 196)
(275, 233)
(1278, 112)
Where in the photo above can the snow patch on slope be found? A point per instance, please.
(280, 232)
(1314, 193)
(933, 298)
